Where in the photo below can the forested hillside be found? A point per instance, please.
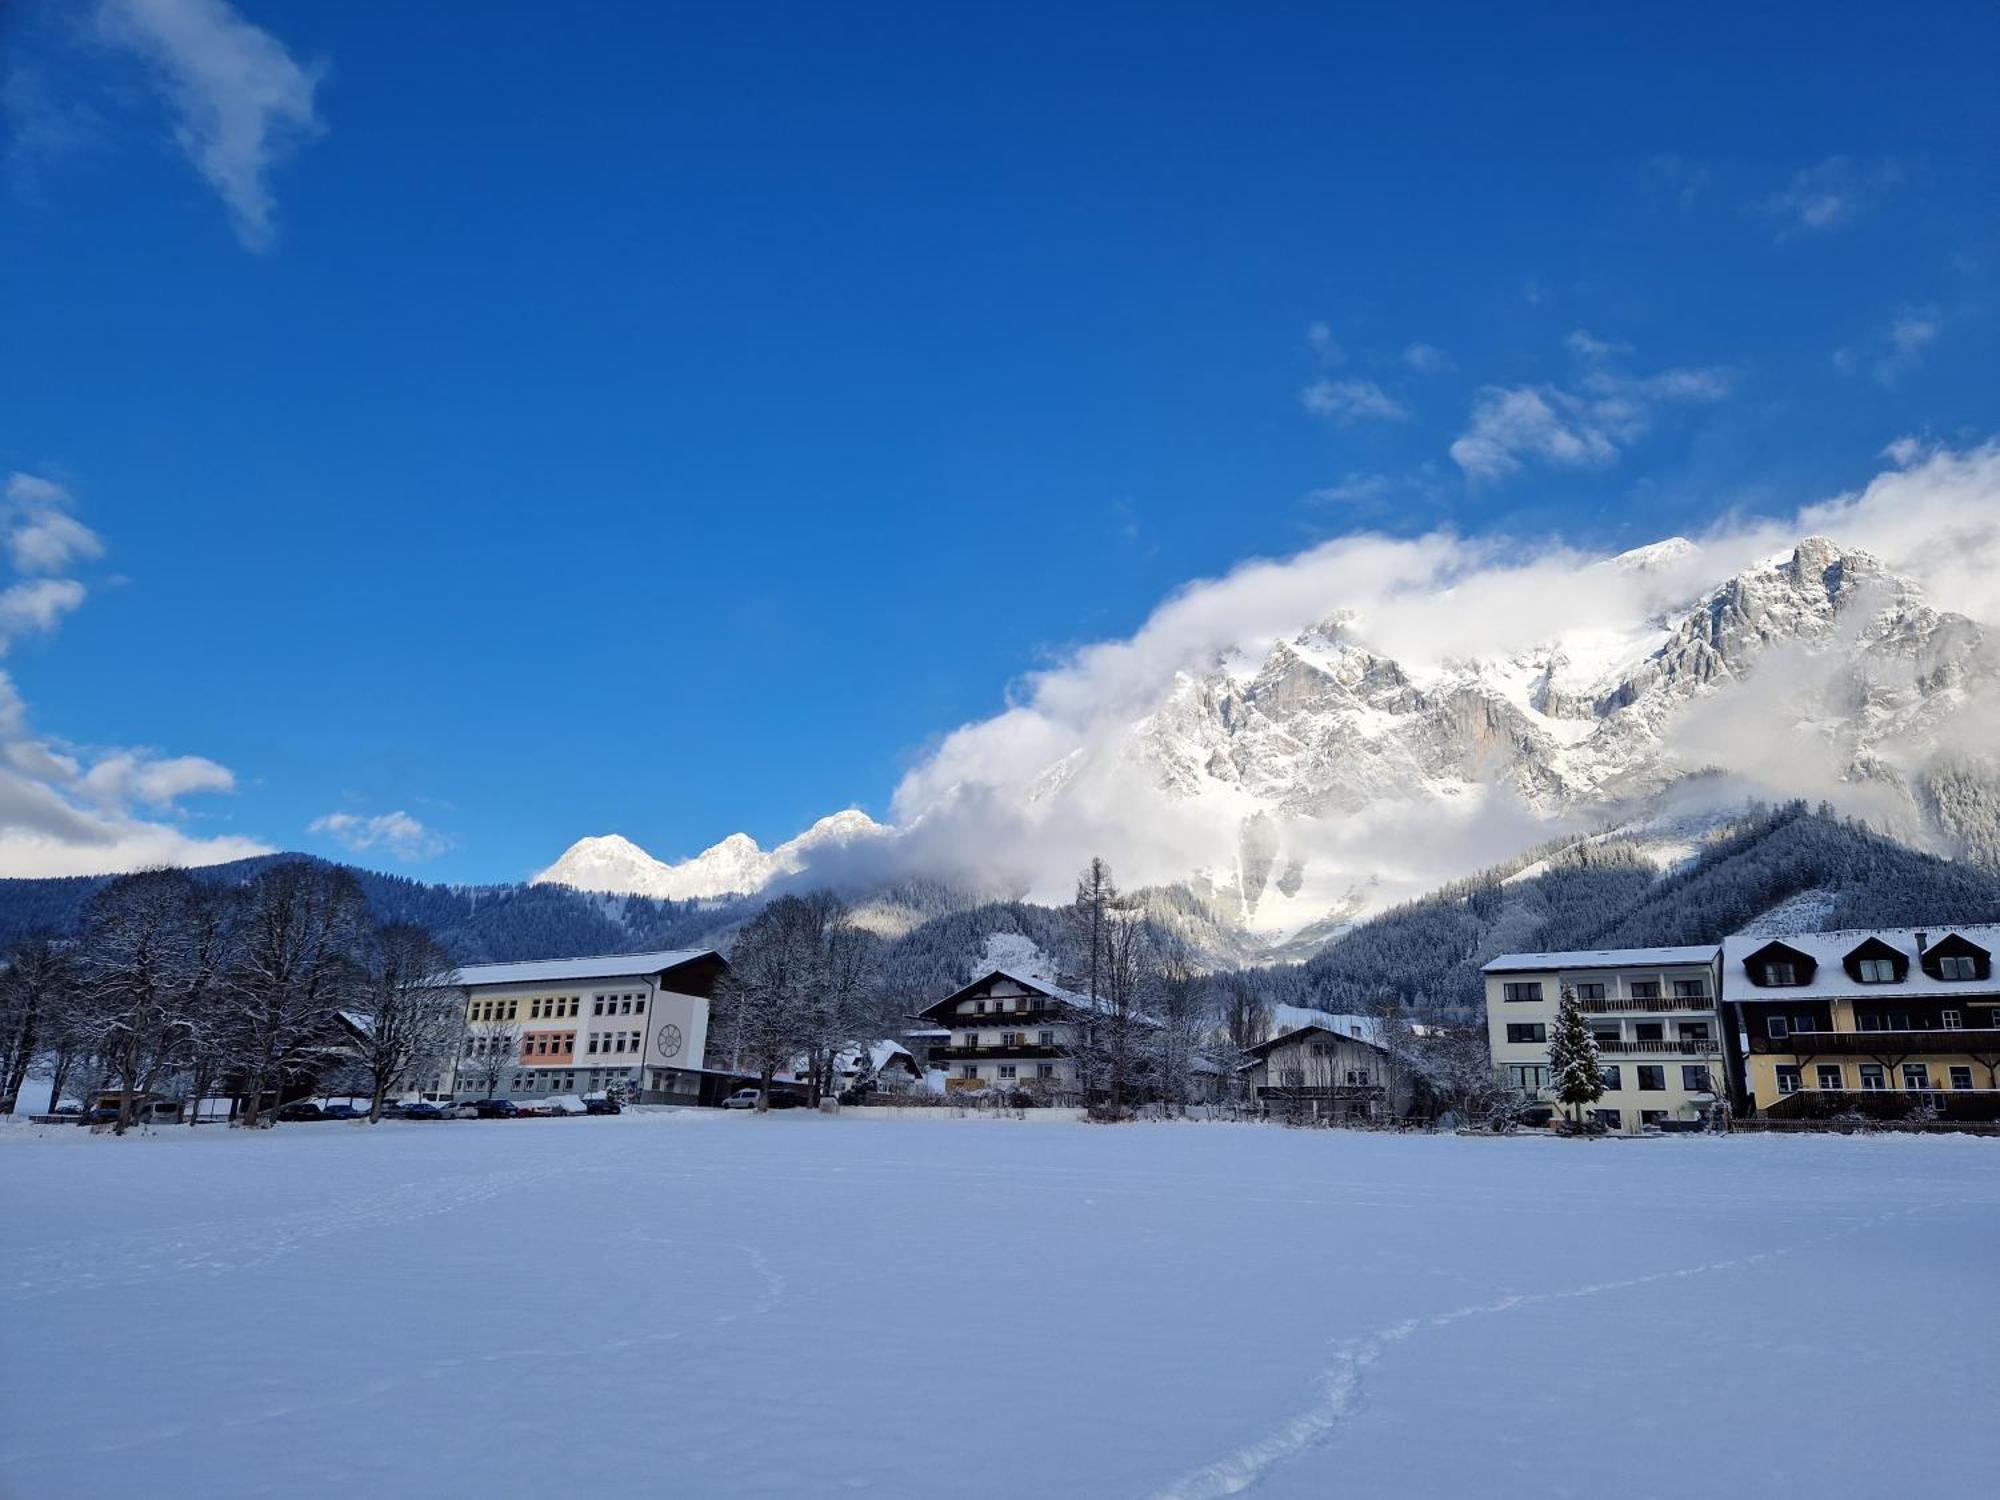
(1605, 895)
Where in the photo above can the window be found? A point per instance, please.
(597, 1006)
(1293, 1077)
(1916, 1075)
(1610, 1119)
(1949, 1020)
(1957, 966)
(1614, 1078)
(1645, 989)
(971, 1039)
(1010, 1038)
(1603, 1034)
(1830, 1079)
(1594, 991)
(1652, 1116)
(1006, 1070)
(1529, 1078)
(1695, 1079)
(1325, 1049)
(1527, 1031)
(1690, 989)
(1652, 1078)
(1788, 1080)
(1526, 989)
(1649, 1031)
(1777, 1027)
(1961, 1078)
(969, 1070)
(1357, 1078)
(1045, 1038)
(591, 1046)
(1694, 1031)
(1876, 971)
(1780, 973)
(1871, 1077)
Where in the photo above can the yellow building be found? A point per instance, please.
(1888, 1023)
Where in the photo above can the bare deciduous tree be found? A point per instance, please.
(412, 1015)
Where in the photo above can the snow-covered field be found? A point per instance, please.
(711, 1305)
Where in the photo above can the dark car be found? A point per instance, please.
(497, 1109)
(343, 1112)
(785, 1101)
(602, 1107)
(423, 1109)
(104, 1114)
(304, 1109)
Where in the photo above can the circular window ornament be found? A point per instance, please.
(669, 1039)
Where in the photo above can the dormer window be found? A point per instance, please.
(1779, 965)
(1957, 966)
(1876, 971)
(1780, 973)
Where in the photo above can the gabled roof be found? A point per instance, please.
(1872, 946)
(1956, 945)
(1306, 1033)
(940, 1009)
(1600, 958)
(1828, 951)
(577, 970)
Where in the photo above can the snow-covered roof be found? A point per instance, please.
(1299, 1033)
(1039, 986)
(1601, 958)
(566, 970)
(1832, 981)
(1286, 1018)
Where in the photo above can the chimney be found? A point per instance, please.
(1923, 942)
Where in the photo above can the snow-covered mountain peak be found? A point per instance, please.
(735, 866)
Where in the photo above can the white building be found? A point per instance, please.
(1010, 1029)
(582, 1025)
(1654, 1014)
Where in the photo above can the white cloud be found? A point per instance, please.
(1899, 350)
(36, 605)
(1352, 401)
(1583, 342)
(41, 535)
(241, 104)
(1320, 339)
(65, 809)
(1026, 795)
(1425, 359)
(1583, 428)
(397, 833)
(1828, 194)
(134, 776)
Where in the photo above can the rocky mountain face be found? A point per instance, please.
(1818, 668)
(1315, 764)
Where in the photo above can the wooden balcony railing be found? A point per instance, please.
(1673, 1046)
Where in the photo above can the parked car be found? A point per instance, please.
(565, 1104)
(747, 1099)
(497, 1109)
(463, 1111)
(343, 1112)
(531, 1109)
(602, 1107)
(423, 1109)
(303, 1109)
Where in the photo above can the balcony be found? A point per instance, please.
(997, 1053)
(1886, 1104)
(1672, 1046)
(1662, 1005)
(1957, 1041)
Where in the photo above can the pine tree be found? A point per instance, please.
(1573, 1069)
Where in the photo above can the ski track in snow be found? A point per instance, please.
(1341, 1382)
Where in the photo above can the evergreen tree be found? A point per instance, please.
(1573, 1069)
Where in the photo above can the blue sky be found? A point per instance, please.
(672, 419)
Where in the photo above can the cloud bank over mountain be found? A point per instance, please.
(1376, 714)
